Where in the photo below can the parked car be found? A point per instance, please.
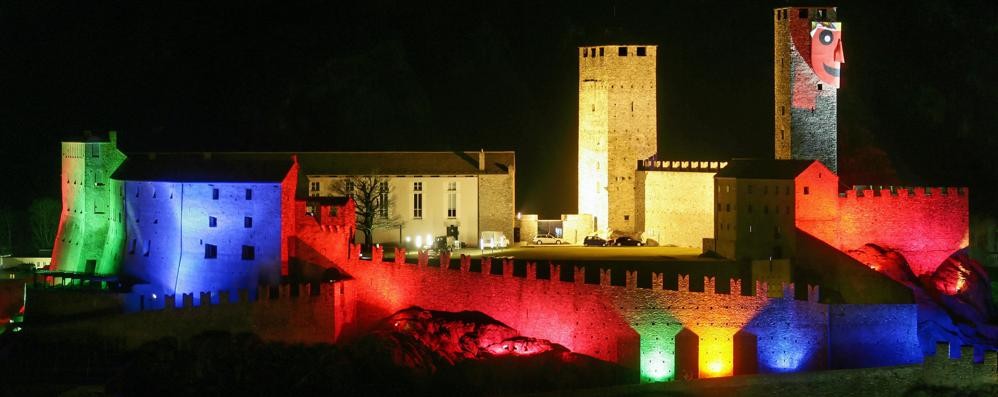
(547, 239)
(593, 241)
(624, 241)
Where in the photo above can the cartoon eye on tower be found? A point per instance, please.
(826, 51)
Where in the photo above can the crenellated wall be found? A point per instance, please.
(637, 327)
(303, 313)
(926, 225)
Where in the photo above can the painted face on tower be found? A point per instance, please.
(826, 51)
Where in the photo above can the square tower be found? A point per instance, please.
(806, 66)
(618, 125)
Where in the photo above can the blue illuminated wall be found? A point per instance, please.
(170, 224)
(792, 336)
(873, 335)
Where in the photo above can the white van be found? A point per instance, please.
(493, 240)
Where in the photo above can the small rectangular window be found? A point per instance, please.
(313, 186)
(641, 52)
(622, 51)
(819, 86)
(627, 217)
(214, 194)
(148, 246)
(585, 52)
(212, 221)
(210, 251)
(807, 190)
(249, 194)
(727, 207)
(601, 51)
(249, 253)
(247, 222)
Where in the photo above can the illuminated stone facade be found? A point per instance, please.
(89, 239)
(805, 107)
(675, 201)
(617, 127)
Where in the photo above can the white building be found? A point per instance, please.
(472, 191)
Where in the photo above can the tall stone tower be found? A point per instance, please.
(807, 65)
(91, 231)
(617, 127)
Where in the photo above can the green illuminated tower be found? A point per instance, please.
(90, 238)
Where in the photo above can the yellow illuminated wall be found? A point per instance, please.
(675, 207)
(617, 127)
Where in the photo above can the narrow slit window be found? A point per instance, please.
(249, 194)
(214, 194)
(247, 222)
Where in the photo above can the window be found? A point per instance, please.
(145, 252)
(601, 51)
(783, 110)
(627, 217)
(210, 251)
(349, 188)
(417, 200)
(249, 194)
(212, 221)
(718, 207)
(452, 199)
(727, 208)
(585, 52)
(214, 194)
(807, 190)
(249, 253)
(134, 242)
(382, 199)
(247, 222)
(641, 51)
(819, 86)
(313, 186)
(802, 13)
(622, 51)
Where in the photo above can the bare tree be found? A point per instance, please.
(44, 217)
(372, 195)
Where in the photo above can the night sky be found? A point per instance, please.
(918, 102)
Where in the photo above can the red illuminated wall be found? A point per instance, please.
(926, 227)
(288, 212)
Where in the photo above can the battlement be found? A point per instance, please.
(862, 191)
(681, 165)
(617, 51)
(954, 364)
(827, 14)
(263, 294)
(605, 279)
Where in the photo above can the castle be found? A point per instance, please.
(681, 202)
(226, 231)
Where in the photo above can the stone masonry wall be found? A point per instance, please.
(677, 206)
(627, 124)
(497, 203)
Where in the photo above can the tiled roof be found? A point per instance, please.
(404, 163)
(764, 168)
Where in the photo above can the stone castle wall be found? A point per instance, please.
(292, 314)
(496, 203)
(633, 326)
(676, 206)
